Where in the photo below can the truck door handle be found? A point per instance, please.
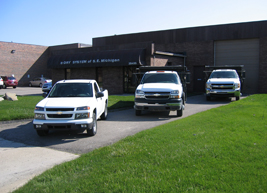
(199, 79)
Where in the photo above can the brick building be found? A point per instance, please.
(23, 61)
(112, 60)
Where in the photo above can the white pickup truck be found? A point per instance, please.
(72, 105)
(223, 83)
(160, 91)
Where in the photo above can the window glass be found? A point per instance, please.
(72, 90)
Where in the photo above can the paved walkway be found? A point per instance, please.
(25, 162)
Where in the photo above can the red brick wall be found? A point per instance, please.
(113, 79)
(26, 63)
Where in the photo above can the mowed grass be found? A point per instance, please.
(219, 150)
(23, 108)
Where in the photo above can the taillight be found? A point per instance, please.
(45, 81)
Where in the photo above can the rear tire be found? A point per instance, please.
(42, 132)
(92, 131)
(105, 113)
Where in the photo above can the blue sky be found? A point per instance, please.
(56, 22)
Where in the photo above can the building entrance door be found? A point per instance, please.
(129, 79)
(199, 79)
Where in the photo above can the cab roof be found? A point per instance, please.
(77, 81)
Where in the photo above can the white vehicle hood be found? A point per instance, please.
(223, 80)
(65, 102)
(160, 87)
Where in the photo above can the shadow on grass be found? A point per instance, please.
(121, 105)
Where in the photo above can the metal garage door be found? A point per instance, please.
(240, 52)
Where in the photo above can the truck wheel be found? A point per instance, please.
(237, 98)
(180, 112)
(138, 112)
(42, 132)
(105, 113)
(92, 131)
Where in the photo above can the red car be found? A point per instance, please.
(9, 81)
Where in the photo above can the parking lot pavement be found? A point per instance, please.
(20, 91)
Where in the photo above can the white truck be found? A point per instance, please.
(160, 91)
(223, 83)
(71, 105)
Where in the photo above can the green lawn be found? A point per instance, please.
(219, 150)
(23, 108)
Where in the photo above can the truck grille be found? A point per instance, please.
(157, 95)
(222, 86)
(59, 109)
(62, 116)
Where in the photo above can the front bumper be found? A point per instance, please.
(61, 125)
(223, 93)
(158, 105)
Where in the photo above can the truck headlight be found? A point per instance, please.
(83, 108)
(237, 85)
(208, 85)
(39, 116)
(175, 94)
(139, 94)
(82, 115)
(39, 108)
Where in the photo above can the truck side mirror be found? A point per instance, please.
(188, 76)
(243, 75)
(99, 95)
(45, 94)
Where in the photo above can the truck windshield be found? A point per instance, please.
(72, 90)
(160, 78)
(223, 74)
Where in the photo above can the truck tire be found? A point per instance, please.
(237, 98)
(42, 132)
(138, 112)
(92, 131)
(180, 112)
(105, 113)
